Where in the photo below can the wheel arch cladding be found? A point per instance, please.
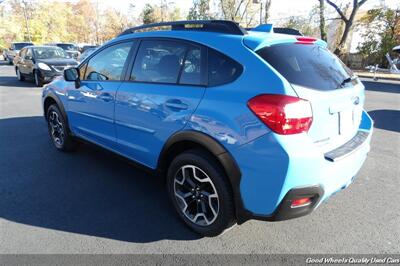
(187, 140)
(52, 99)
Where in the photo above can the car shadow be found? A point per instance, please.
(386, 119)
(90, 191)
(381, 87)
(12, 81)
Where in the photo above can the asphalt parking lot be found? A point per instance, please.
(91, 201)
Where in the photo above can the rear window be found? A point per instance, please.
(20, 45)
(310, 66)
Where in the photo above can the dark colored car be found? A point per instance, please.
(86, 53)
(87, 47)
(70, 48)
(14, 50)
(42, 63)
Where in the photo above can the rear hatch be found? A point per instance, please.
(317, 75)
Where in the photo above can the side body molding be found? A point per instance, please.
(54, 98)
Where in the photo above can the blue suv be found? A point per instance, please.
(242, 124)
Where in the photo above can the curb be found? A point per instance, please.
(379, 78)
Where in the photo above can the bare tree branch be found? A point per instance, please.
(245, 10)
(238, 7)
(342, 16)
(361, 2)
(348, 22)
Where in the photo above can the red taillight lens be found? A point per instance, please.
(300, 202)
(305, 40)
(281, 113)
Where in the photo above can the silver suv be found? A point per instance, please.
(14, 50)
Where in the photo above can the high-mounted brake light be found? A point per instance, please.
(305, 40)
(283, 114)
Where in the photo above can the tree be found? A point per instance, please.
(348, 22)
(301, 24)
(322, 28)
(199, 10)
(235, 10)
(112, 23)
(267, 7)
(148, 14)
(381, 28)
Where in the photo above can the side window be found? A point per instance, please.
(221, 69)
(158, 61)
(192, 72)
(109, 63)
(22, 53)
(29, 52)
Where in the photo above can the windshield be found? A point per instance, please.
(67, 46)
(311, 66)
(48, 52)
(19, 46)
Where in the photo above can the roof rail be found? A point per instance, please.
(224, 26)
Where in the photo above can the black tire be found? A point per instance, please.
(206, 164)
(61, 137)
(20, 76)
(36, 78)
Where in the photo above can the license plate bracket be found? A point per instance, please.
(346, 122)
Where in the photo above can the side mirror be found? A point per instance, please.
(28, 57)
(11, 49)
(72, 74)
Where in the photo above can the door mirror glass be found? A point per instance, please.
(28, 57)
(71, 74)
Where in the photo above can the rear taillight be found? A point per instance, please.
(305, 40)
(281, 113)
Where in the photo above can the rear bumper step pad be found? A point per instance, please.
(347, 148)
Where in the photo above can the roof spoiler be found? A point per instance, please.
(270, 28)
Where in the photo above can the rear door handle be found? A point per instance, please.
(176, 104)
(107, 97)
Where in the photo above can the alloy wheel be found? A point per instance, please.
(196, 195)
(18, 74)
(56, 128)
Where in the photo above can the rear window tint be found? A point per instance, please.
(310, 66)
(221, 69)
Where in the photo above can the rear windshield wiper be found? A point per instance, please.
(347, 80)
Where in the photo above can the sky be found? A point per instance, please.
(279, 8)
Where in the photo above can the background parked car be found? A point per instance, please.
(14, 50)
(86, 53)
(86, 47)
(42, 63)
(70, 48)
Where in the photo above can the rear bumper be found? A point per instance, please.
(285, 212)
(276, 169)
